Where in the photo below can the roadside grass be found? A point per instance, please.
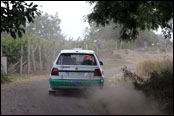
(22, 77)
(16, 76)
(159, 83)
(110, 63)
(13, 77)
(130, 56)
(146, 67)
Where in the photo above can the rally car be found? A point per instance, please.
(76, 68)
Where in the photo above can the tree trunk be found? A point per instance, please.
(54, 51)
(33, 58)
(97, 47)
(1, 48)
(121, 45)
(28, 56)
(40, 58)
(86, 43)
(21, 62)
(116, 45)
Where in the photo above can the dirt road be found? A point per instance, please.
(32, 98)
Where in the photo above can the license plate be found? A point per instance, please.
(77, 73)
(88, 74)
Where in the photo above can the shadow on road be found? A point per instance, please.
(78, 93)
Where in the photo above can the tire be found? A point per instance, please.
(101, 86)
(51, 91)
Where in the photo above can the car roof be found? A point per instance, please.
(78, 51)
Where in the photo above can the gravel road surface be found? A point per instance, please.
(32, 98)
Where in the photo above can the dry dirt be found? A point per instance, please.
(30, 97)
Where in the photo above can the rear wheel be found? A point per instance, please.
(51, 91)
(101, 86)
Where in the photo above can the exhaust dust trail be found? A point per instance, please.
(121, 99)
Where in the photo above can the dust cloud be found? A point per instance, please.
(121, 99)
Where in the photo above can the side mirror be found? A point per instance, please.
(101, 63)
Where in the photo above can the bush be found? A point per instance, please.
(12, 48)
(4, 78)
(159, 84)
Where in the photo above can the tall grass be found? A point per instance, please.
(146, 67)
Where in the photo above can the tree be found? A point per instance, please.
(108, 38)
(46, 26)
(14, 16)
(134, 16)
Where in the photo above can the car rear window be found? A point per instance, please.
(76, 59)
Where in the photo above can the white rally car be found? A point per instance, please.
(76, 68)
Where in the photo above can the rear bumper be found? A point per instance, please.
(68, 83)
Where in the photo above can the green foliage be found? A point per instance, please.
(4, 78)
(134, 16)
(12, 48)
(45, 28)
(14, 16)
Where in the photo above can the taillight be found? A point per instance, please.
(55, 71)
(97, 72)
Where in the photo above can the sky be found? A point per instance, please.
(70, 13)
